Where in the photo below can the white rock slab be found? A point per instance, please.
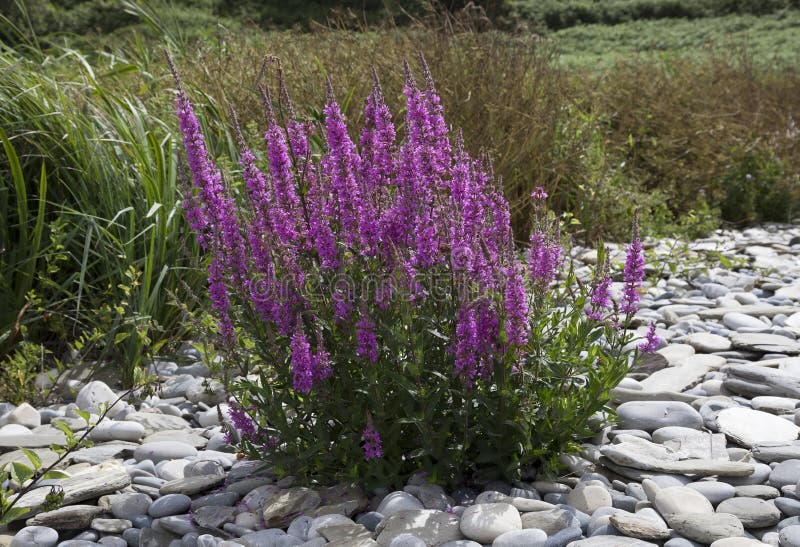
(94, 482)
(751, 427)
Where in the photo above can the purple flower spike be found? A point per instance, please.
(367, 341)
(634, 271)
(516, 307)
(651, 340)
(302, 361)
(373, 448)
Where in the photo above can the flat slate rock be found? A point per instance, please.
(749, 427)
(191, 485)
(70, 517)
(676, 378)
(765, 343)
(641, 454)
(754, 380)
(94, 482)
(31, 441)
(756, 310)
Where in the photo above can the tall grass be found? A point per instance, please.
(94, 173)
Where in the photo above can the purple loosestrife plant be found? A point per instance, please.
(651, 340)
(634, 271)
(390, 323)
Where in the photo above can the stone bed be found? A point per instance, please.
(706, 451)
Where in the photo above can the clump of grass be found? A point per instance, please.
(91, 208)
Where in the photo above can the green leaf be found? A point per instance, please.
(13, 514)
(55, 474)
(21, 472)
(84, 415)
(34, 458)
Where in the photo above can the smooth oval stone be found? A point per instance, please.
(714, 491)
(762, 491)
(652, 415)
(35, 536)
(785, 473)
(93, 395)
(680, 500)
(484, 522)
(707, 528)
(788, 506)
(109, 430)
(588, 497)
(753, 512)
(398, 501)
(531, 537)
(126, 506)
(163, 450)
(171, 504)
(790, 536)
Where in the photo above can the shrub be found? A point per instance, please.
(396, 327)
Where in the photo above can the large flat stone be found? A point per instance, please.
(641, 454)
(756, 310)
(765, 343)
(749, 427)
(96, 481)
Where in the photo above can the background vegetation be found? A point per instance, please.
(686, 109)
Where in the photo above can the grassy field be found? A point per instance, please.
(770, 40)
(691, 120)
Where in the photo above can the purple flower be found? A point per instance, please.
(651, 340)
(633, 272)
(322, 360)
(373, 447)
(544, 259)
(302, 361)
(466, 346)
(341, 165)
(600, 297)
(539, 194)
(242, 422)
(516, 306)
(367, 341)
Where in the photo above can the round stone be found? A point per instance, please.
(680, 500)
(753, 512)
(652, 415)
(785, 473)
(171, 504)
(35, 536)
(588, 497)
(129, 505)
(163, 450)
(109, 430)
(111, 526)
(398, 501)
(705, 342)
(707, 528)
(714, 491)
(95, 395)
(788, 506)
(790, 536)
(484, 522)
(530, 537)
(24, 415)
